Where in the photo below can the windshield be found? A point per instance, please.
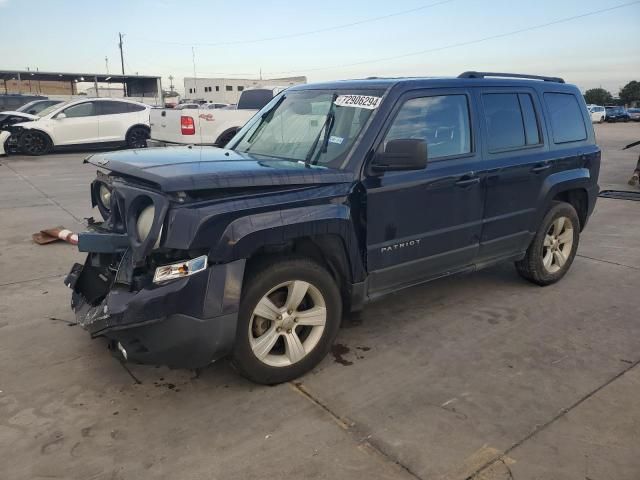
(36, 106)
(311, 126)
(50, 109)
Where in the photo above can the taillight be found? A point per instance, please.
(187, 125)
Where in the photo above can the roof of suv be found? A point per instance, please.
(466, 79)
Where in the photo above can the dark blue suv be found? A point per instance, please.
(332, 195)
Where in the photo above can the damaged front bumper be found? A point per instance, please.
(184, 323)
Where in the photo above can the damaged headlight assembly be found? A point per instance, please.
(180, 270)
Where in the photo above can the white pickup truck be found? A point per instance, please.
(206, 126)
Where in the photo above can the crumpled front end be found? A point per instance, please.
(182, 322)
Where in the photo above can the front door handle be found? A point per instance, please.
(541, 168)
(466, 181)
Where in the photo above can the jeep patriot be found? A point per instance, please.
(332, 195)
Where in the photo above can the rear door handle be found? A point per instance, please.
(541, 168)
(466, 181)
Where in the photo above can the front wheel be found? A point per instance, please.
(554, 246)
(289, 316)
(33, 142)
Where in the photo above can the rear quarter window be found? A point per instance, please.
(567, 124)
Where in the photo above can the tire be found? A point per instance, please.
(266, 350)
(137, 137)
(225, 138)
(543, 262)
(34, 142)
(601, 120)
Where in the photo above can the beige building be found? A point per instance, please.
(40, 87)
(228, 90)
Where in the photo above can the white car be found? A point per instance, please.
(4, 136)
(94, 122)
(598, 113)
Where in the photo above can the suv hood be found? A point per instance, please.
(176, 169)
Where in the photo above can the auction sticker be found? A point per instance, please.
(358, 101)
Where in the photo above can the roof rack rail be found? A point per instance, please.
(509, 75)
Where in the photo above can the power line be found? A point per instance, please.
(461, 44)
(299, 34)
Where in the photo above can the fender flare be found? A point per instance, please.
(244, 235)
(556, 183)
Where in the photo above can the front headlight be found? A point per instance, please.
(144, 223)
(179, 270)
(104, 196)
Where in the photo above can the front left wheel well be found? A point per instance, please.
(326, 250)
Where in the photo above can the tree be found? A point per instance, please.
(598, 96)
(630, 92)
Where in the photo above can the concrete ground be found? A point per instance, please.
(482, 376)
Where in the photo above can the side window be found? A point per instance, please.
(567, 124)
(511, 121)
(229, 88)
(441, 121)
(86, 109)
(112, 108)
(132, 107)
(240, 88)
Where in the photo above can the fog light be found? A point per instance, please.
(179, 270)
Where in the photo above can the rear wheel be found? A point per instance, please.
(137, 137)
(289, 317)
(225, 138)
(554, 246)
(33, 142)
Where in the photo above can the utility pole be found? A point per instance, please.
(124, 83)
(171, 83)
(193, 58)
(106, 64)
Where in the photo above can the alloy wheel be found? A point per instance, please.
(557, 245)
(33, 143)
(287, 323)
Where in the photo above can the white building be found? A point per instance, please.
(228, 90)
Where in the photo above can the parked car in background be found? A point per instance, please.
(25, 113)
(597, 112)
(634, 114)
(37, 106)
(187, 106)
(14, 101)
(204, 126)
(4, 138)
(333, 195)
(616, 114)
(214, 106)
(97, 122)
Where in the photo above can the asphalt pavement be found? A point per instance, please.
(480, 376)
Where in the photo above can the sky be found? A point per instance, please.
(326, 40)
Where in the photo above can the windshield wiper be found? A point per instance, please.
(264, 120)
(312, 157)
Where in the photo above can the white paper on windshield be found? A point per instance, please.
(358, 101)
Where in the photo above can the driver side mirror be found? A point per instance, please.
(401, 155)
(60, 116)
